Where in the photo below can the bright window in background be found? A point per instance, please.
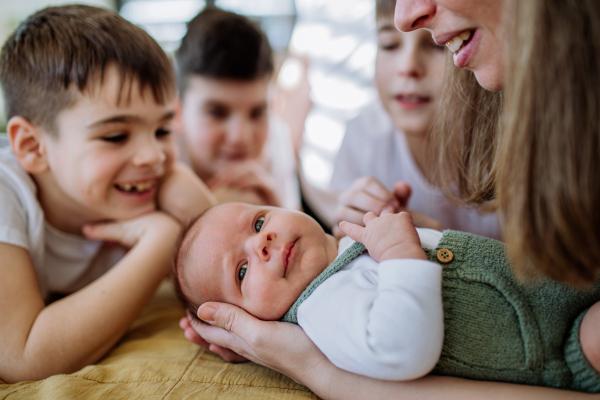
(166, 20)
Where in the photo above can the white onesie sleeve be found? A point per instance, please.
(380, 320)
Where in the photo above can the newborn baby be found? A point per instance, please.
(381, 315)
(390, 314)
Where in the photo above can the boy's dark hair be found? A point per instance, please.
(384, 9)
(222, 44)
(58, 49)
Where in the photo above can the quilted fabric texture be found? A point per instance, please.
(155, 361)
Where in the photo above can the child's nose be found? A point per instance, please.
(239, 131)
(264, 245)
(409, 64)
(149, 153)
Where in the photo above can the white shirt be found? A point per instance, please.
(63, 263)
(373, 147)
(383, 320)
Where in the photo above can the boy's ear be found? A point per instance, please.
(178, 120)
(27, 145)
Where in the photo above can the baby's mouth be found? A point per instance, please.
(137, 187)
(287, 255)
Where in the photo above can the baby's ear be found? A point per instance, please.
(27, 145)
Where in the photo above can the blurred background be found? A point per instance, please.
(325, 51)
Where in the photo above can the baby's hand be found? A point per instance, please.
(183, 195)
(389, 236)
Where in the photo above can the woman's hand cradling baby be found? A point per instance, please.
(389, 236)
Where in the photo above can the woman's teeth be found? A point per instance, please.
(136, 187)
(456, 43)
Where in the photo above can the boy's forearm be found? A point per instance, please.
(79, 329)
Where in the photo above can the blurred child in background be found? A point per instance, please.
(382, 163)
(224, 67)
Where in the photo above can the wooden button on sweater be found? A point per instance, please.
(445, 256)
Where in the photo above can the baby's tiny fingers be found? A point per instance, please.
(355, 232)
(370, 216)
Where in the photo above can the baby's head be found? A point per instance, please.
(409, 72)
(255, 257)
(224, 66)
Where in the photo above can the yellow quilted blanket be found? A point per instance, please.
(155, 361)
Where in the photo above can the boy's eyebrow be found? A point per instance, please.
(128, 119)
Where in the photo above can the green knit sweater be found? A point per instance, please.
(499, 329)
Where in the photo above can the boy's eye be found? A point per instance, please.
(162, 132)
(259, 223)
(242, 272)
(389, 46)
(115, 138)
(258, 113)
(218, 112)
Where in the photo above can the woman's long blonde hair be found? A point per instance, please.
(534, 150)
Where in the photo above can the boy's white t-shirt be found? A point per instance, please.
(372, 146)
(383, 320)
(63, 263)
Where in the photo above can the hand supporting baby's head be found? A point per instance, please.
(255, 257)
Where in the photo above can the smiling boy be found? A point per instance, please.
(88, 100)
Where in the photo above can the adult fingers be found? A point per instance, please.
(350, 215)
(402, 192)
(375, 189)
(354, 231)
(364, 201)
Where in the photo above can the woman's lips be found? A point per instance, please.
(466, 51)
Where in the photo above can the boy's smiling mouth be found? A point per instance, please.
(137, 187)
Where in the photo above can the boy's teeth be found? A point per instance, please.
(136, 187)
(455, 43)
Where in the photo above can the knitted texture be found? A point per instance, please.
(498, 328)
(585, 378)
(340, 262)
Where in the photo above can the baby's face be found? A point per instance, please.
(258, 258)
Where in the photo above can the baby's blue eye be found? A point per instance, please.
(242, 272)
(259, 223)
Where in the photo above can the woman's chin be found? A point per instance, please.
(490, 80)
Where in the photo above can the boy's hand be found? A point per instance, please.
(389, 236)
(183, 195)
(248, 176)
(129, 233)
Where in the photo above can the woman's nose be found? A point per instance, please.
(414, 14)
